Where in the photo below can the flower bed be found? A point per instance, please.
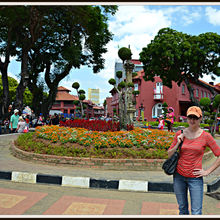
(96, 125)
(80, 142)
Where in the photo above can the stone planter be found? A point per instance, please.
(98, 163)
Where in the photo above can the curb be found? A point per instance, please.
(103, 163)
(87, 182)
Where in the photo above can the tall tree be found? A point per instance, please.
(54, 40)
(175, 56)
(28, 31)
(7, 50)
(72, 36)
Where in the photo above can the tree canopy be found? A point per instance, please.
(12, 92)
(53, 40)
(176, 56)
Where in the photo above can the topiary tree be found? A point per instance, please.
(81, 97)
(124, 53)
(124, 89)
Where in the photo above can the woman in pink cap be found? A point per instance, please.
(189, 172)
(170, 119)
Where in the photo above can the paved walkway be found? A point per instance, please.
(38, 199)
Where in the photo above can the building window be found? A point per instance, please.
(197, 93)
(204, 94)
(158, 91)
(201, 94)
(136, 87)
(157, 110)
(208, 96)
(183, 89)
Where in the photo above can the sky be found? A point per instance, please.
(136, 24)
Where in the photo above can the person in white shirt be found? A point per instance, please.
(21, 125)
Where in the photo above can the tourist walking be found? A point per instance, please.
(189, 173)
(14, 122)
(6, 125)
(21, 125)
(170, 119)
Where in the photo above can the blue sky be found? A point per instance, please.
(136, 24)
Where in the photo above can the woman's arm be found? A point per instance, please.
(172, 151)
(201, 172)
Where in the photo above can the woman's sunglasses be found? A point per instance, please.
(192, 117)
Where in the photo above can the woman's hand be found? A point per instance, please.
(180, 138)
(200, 172)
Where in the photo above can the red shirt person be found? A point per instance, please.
(189, 173)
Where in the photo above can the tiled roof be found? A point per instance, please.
(61, 88)
(88, 101)
(206, 83)
(135, 61)
(65, 96)
(217, 86)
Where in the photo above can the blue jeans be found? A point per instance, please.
(181, 185)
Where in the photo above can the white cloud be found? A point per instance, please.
(213, 15)
(138, 20)
(207, 78)
(190, 18)
(183, 15)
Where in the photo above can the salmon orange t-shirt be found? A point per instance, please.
(192, 152)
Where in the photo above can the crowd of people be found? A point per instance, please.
(17, 122)
(20, 122)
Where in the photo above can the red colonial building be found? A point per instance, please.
(154, 94)
(64, 103)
